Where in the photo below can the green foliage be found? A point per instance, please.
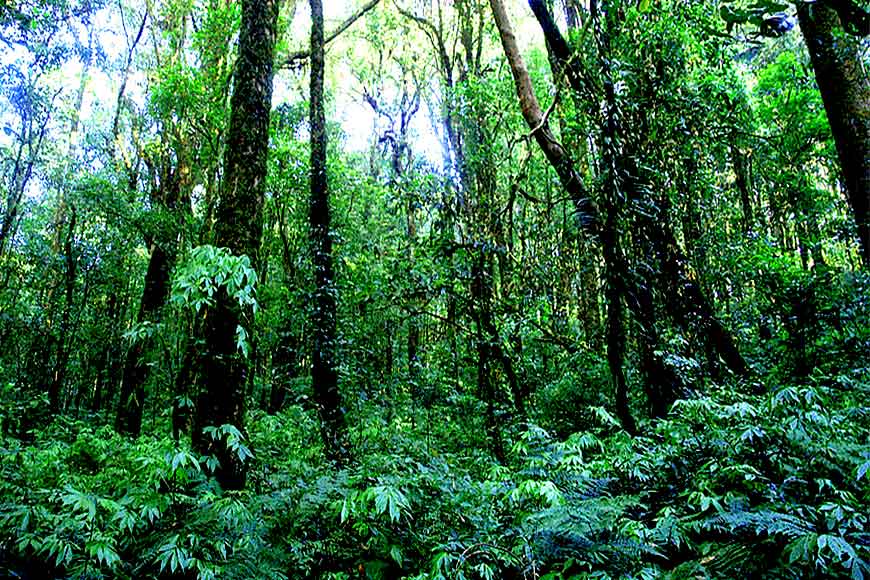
(479, 258)
(209, 270)
(93, 504)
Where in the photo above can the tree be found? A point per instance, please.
(238, 228)
(587, 211)
(324, 375)
(189, 106)
(845, 87)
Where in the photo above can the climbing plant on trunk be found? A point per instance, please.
(238, 228)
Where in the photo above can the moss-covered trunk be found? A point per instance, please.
(238, 227)
(845, 88)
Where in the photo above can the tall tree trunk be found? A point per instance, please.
(130, 406)
(414, 297)
(160, 263)
(693, 301)
(480, 291)
(238, 228)
(560, 160)
(108, 355)
(614, 293)
(685, 299)
(586, 210)
(845, 88)
(62, 352)
(744, 188)
(323, 373)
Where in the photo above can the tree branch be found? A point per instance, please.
(297, 58)
(855, 19)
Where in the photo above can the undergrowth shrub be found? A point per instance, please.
(762, 486)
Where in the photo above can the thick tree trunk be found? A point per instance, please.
(662, 386)
(323, 373)
(845, 88)
(557, 46)
(130, 406)
(238, 228)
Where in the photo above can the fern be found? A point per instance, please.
(762, 523)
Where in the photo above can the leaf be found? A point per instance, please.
(396, 554)
(345, 510)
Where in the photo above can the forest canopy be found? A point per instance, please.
(434, 289)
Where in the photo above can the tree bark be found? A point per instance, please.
(323, 373)
(238, 228)
(480, 291)
(693, 301)
(587, 212)
(845, 89)
(741, 176)
(558, 47)
(614, 293)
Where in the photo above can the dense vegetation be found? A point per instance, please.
(455, 289)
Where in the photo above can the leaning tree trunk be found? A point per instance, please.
(154, 295)
(130, 406)
(323, 373)
(693, 301)
(239, 229)
(845, 88)
(586, 211)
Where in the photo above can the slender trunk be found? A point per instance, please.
(573, 14)
(285, 366)
(741, 176)
(32, 137)
(558, 157)
(845, 88)
(413, 322)
(106, 364)
(62, 352)
(131, 51)
(173, 195)
(485, 381)
(587, 212)
(323, 373)
(614, 292)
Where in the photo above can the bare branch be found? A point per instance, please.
(299, 57)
